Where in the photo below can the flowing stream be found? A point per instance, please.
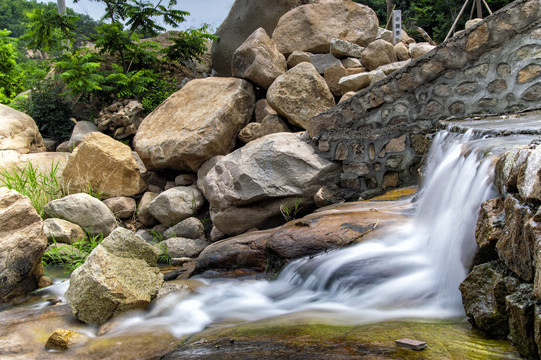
(411, 272)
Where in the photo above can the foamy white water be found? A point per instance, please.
(414, 271)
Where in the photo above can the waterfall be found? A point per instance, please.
(411, 272)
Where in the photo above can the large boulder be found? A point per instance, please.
(300, 94)
(19, 132)
(326, 229)
(247, 187)
(529, 176)
(198, 122)
(176, 204)
(312, 27)
(271, 124)
(489, 229)
(84, 210)
(44, 162)
(378, 53)
(508, 168)
(120, 274)
(22, 243)
(258, 60)
(521, 307)
(514, 247)
(105, 165)
(244, 17)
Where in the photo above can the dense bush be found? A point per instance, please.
(11, 75)
(50, 110)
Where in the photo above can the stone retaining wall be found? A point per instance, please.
(381, 134)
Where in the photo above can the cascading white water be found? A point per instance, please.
(413, 271)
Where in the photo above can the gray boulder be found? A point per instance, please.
(80, 131)
(22, 243)
(247, 187)
(244, 17)
(178, 247)
(191, 228)
(119, 275)
(122, 207)
(344, 49)
(84, 210)
(529, 177)
(176, 204)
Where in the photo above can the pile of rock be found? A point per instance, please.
(502, 293)
(121, 119)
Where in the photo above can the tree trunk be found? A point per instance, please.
(61, 6)
(389, 11)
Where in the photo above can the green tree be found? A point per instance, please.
(11, 75)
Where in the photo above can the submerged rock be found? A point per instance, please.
(119, 275)
(63, 339)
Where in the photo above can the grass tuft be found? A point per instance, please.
(41, 188)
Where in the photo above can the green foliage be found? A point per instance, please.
(11, 75)
(160, 90)
(189, 44)
(290, 212)
(49, 30)
(165, 257)
(80, 72)
(50, 110)
(434, 16)
(40, 187)
(131, 84)
(71, 258)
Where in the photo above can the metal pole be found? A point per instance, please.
(456, 20)
(489, 11)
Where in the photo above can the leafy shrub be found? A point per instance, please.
(160, 90)
(189, 44)
(50, 110)
(11, 76)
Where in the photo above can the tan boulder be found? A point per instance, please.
(22, 243)
(104, 164)
(43, 162)
(19, 132)
(312, 27)
(419, 49)
(258, 60)
(262, 109)
(332, 76)
(300, 94)
(402, 51)
(377, 53)
(196, 123)
(298, 57)
(356, 82)
(346, 96)
(271, 124)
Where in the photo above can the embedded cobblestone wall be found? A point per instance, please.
(381, 134)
